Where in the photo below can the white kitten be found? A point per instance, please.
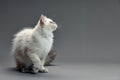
(31, 46)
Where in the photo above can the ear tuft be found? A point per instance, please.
(42, 20)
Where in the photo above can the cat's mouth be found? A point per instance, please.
(54, 27)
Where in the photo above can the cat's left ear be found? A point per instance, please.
(42, 20)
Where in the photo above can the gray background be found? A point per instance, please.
(89, 30)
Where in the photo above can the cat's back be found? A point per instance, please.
(24, 32)
(21, 38)
(23, 35)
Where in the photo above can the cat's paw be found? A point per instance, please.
(23, 70)
(43, 70)
(34, 70)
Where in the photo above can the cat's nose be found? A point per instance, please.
(54, 22)
(56, 25)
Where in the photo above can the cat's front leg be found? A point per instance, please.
(36, 63)
(42, 68)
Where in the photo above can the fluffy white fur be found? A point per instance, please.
(31, 46)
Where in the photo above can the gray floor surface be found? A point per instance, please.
(66, 71)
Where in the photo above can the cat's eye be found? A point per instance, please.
(51, 21)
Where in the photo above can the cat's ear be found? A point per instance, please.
(42, 20)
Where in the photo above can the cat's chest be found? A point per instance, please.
(45, 44)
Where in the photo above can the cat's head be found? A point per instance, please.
(47, 23)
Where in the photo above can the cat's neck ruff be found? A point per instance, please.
(42, 32)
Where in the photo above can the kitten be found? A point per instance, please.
(31, 46)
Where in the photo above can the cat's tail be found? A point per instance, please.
(51, 56)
